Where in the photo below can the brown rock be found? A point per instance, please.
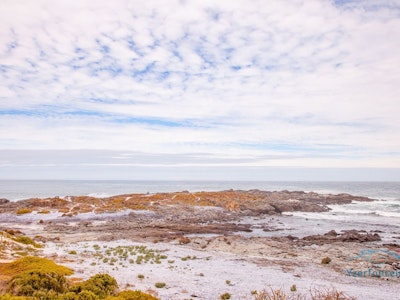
(332, 236)
(3, 201)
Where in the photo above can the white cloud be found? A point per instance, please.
(283, 78)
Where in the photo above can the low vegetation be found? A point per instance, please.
(160, 285)
(124, 255)
(313, 294)
(40, 278)
(225, 296)
(13, 243)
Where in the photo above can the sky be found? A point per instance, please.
(199, 90)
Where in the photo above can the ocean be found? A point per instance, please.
(385, 209)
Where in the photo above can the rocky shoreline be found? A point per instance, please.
(230, 225)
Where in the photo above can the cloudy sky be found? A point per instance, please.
(200, 89)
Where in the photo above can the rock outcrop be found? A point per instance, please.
(350, 236)
(253, 202)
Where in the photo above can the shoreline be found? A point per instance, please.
(243, 242)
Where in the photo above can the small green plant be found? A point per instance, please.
(326, 260)
(228, 282)
(225, 296)
(293, 288)
(139, 259)
(140, 276)
(72, 252)
(160, 285)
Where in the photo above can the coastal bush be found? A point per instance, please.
(32, 263)
(86, 295)
(160, 285)
(132, 295)
(225, 296)
(32, 277)
(102, 285)
(34, 283)
(67, 296)
(129, 254)
(11, 297)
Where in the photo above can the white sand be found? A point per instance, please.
(206, 276)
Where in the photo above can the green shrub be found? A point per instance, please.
(87, 295)
(225, 296)
(102, 285)
(10, 297)
(67, 296)
(160, 285)
(39, 278)
(30, 283)
(32, 263)
(135, 295)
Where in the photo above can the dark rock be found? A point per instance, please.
(4, 201)
(332, 236)
(331, 233)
